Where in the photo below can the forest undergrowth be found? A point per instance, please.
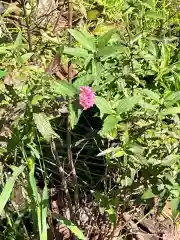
(90, 119)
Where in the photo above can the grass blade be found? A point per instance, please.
(6, 192)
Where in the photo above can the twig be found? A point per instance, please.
(70, 156)
(27, 25)
(63, 178)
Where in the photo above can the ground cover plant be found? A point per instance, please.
(89, 113)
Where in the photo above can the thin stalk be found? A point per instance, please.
(62, 176)
(69, 148)
(27, 25)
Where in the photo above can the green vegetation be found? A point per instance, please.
(69, 171)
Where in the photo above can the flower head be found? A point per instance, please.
(86, 97)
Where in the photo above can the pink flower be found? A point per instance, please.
(86, 97)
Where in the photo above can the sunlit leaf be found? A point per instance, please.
(171, 111)
(104, 39)
(153, 14)
(44, 127)
(175, 207)
(148, 195)
(85, 80)
(72, 227)
(26, 57)
(74, 115)
(3, 73)
(83, 39)
(152, 95)
(110, 122)
(63, 88)
(127, 104)
(103, 105)
(165, 57)
(7, 189)
(77, 52)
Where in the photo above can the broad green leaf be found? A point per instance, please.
(150, 4)
(4, 50)
(150, 107)
(112, 215)
(176, 80)
(36, 99)
(3, 73)
(18, 41)
(85, 80)
(108, 151)
(77, 52)
(172, 98)
(127, 181)
(165, 57)
(127, 104)
(74, 115)
(110, 122)
(44, 127)
(147, 195)
(136, 38)
(72, 227)
(152, 47)
(152, 95)
(153, 14)
(93, 14)
(103, 105)
(63, 88)
(104, 39)
(102, 28)
(7, 189)
(171, 111)
(83, 39)
(109, 51)
(175, 207)
(26, 57)
(12, 8)
(44, 203)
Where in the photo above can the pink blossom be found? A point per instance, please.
(86, 97)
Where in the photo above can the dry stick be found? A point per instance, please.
(27, 25)
(70, 155)
(63, 178)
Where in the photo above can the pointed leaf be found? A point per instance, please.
(153, 14)
(175, 204)
(7, 189)
(63, 88)
(26, 57)
(165, 57)
(147, 195)
(171, 111)
(152, 95)
(74, 115)
(18, 41)
(127, 104)
(44, 127)
(76, 52)
(85, 80)
(103, 105)
(72, 227)
(172, 98)
(3, 73)
(104, 39)
(110, 122)
(83, 39)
